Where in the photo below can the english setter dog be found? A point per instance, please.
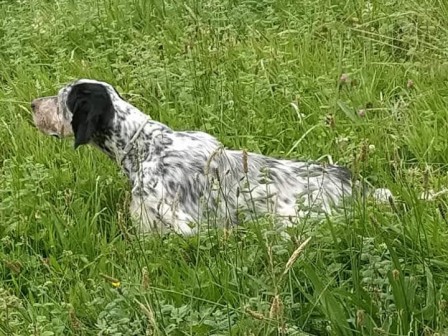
(181, 179)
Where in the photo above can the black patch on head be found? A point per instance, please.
(92, 110)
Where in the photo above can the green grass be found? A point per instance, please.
(235, 69)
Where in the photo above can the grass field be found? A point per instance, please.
(360, 83)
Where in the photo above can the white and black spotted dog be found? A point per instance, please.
(180, 179)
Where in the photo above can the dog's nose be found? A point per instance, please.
(33, 104)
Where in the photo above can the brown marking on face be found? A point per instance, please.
(48, 119)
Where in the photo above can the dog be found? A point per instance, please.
(180, 179)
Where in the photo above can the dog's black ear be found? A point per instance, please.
(92, 110)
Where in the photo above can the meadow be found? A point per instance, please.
(358, 83)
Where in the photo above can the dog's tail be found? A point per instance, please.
(380, 195)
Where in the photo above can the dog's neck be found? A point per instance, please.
(129, 140)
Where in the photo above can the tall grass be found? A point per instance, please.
(360, 83)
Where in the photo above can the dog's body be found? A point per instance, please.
(179, 179)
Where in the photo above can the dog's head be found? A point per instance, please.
(82, 108)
